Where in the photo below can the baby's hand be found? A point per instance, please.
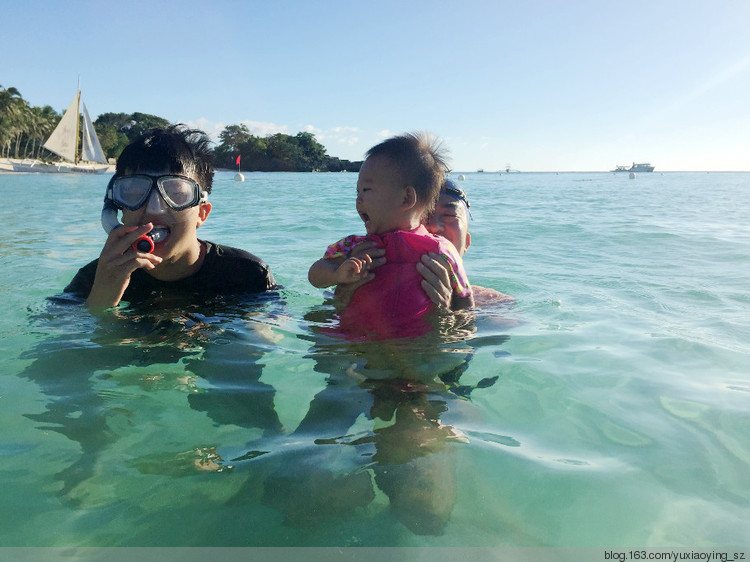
(353, 270)
(369, 248)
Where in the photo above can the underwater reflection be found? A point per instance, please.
(78, 368)
(381, 433)
(234, 393)
(335, 465)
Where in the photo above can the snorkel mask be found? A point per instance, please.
(133, 191)
(451, 189)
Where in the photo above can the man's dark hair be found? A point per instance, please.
(176, 148)
(421, 160)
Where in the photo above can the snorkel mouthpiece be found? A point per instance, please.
(146, 243)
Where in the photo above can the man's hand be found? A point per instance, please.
(117, 262)
(435, 280)
(437, 285)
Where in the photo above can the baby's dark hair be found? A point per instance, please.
(421, 160)
(176, 148)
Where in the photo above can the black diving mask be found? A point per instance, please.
(132, 192)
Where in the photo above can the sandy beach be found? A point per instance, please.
(28, 166)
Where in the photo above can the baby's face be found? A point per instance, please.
(380, 195)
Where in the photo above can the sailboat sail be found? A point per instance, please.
(64, 138)
(92, 149)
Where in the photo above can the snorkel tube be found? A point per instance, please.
(144, 244)
(109, 215)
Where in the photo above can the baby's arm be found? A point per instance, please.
(327, 272)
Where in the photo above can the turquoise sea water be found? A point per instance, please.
(612, 406)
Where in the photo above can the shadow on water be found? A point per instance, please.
(376, 429)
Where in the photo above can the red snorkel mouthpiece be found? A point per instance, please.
(146, 243)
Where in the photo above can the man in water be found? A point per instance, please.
(451, 220)
(161, 185)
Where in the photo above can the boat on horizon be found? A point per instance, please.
(64, 142)
(643, 167)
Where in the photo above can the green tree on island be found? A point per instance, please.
(276, 153)
(24, 129)
(117, 130)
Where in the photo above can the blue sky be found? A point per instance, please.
(540, 85)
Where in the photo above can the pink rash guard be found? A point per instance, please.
(393, 303)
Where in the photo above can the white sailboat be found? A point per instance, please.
(64, 142)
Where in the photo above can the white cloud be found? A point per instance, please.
(263, 129)
(345, 130)
(341, 136)
(344, 135)
(348, 140)
(335, 135)
(214, 128)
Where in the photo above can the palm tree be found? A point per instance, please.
(11, 104)
(48, 120)
(33, 132)
(22, 124)
(6, 99)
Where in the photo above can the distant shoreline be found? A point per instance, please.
(7, 166)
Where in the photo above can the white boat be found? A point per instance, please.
(643, 167)
(64, 142)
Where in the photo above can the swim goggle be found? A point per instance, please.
(132, 192)
(450, 188)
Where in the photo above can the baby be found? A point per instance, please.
(398, 186)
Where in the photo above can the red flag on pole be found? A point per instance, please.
(238, 159)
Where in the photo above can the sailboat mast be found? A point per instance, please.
(78, 122)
